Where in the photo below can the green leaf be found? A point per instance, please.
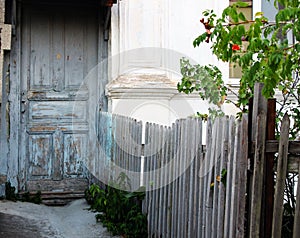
(199, 39)
(234, 15)
(206, 13)
(242, 16)
(242, 4)
(259, 14)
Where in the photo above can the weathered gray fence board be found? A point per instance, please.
(200, 204)
(281, 176)
(175, 181)
(162, 197)
(159, 177)
(234, 185)
(257, 185)
(136, 153)
(209, 178)
(150, 182)
(103, 134)
(147, 204)
(223, 163)
(216, 175)
(180, 179)
(119, 140)
(114, 149)
(168, 179)
(192, 207)
(170, 175)
(185, 176)
(124, 148)
(296, 230)
(258, 134)
(242, 169)
(228, 204)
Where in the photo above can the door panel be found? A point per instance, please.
(74, 152)
(75, 51)
(47, 111)
(40, 78)
(40, 157)
(59, 47)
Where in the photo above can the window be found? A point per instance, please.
(235, 70)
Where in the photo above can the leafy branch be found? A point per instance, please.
(257, 46)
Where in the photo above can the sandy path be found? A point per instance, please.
(18, 219)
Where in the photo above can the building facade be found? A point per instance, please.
(63, 61)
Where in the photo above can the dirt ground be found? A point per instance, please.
(27, 220)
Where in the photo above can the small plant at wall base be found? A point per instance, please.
(119, 210)
(10, 194)
(33, 198)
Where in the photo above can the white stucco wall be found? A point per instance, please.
(5, 37)
(167, 24)
(149, 38)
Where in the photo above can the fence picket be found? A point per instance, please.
(175, 182)
(228, 215)
(234, 186)
(223, 163)
(280, 178)
(180, 217)
(191, 154)
(216, 176)
(242, 152)
(170, 175)
(296, 230)
(197, 179)
(160, 151)
(257, 185)
(147, 160)
(209, 181)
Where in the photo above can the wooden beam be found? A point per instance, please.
(293, 164)
(272, 146)
(269, 175)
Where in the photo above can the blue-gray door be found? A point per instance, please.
(59, 48)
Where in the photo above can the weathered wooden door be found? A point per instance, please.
(59, 48)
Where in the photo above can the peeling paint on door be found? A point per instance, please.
(59, 47)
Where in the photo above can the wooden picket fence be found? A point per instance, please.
(187, 194)
(283, 166)
(190, 192)
(265, 204)
(194, 188)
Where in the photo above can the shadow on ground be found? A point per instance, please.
(12, 226)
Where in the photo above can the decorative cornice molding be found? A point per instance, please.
(141, 86)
